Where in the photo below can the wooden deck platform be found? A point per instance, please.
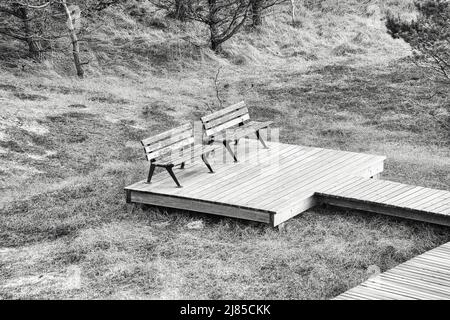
(266, 185)
(390, 198)
(273, 185)
(425, 277)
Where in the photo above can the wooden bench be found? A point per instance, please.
(231, 124)
(175, 147)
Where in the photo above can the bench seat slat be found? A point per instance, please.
(189, 155)
(218, 121)
(168, 142)
(222, 112)
(228, 124)
(163, 151)
(167, 134)
(242, 131)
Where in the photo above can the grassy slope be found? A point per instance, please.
(68, 147)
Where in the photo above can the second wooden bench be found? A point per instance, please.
(231, 124)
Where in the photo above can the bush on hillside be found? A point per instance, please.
(428, 35)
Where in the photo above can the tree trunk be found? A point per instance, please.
(34, 46)
(216, 43)
(74, 39)
(181, 9)
(216, 46)
(256, 13)
(293, 12)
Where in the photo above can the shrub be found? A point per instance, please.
(428, 35)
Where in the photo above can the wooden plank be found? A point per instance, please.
(225, 118)
(435, 197)
(418, 283)
(246, 130)
(343, 184)
(405, 197)
(191, 154)
(199, 197)
(433, 262)
(284, 214)
(390, 190)
(242, 172)
(398, 286)
(386, 288)
(395, 191)
(172, 148)
(364, 189)
(443, 210)
(424, 277)
(304, 168)
(200, 206)
(226, 110)
(259, 174)
(423, 195)
(250, 187)
(221, 170)
(373, 165)
(358, 183)
(427, 274)
(295, 206)
(226, 125)
(167, 142)
(166, 134)
(443, 199)
(387, 210)
(420, 274)
(378, 294)
(274, 186)
(436, 205)
(319, 174)
(428, 267)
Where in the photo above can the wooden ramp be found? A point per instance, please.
(266, 185)
(425, 277)
(390, 198)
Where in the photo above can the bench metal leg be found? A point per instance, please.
(150, 173)
(227, 145)
(205, 160)
(258, 135)
(170, 171)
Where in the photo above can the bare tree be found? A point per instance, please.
(293, 11)
(27, 28)
(177, 9)
(224, 17)
(257, 7)
(73, 38)
(40, 23)
(181, 9)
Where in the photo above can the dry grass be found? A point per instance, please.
(68, 147)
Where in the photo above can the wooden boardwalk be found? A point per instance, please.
(273, 185)
(390, 198)
(425, 277)
(266, 185)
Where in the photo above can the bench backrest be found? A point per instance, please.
(225, 118)
(165, 143)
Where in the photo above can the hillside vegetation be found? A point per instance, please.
(334, 78)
